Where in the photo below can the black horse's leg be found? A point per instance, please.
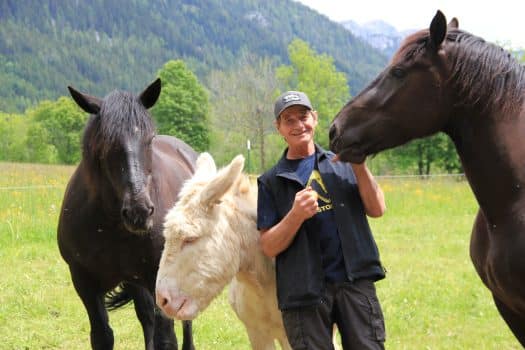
(164, 332)
(515, 322)
(187, 334)
(144, 310)
(101, 334)
(158, 332)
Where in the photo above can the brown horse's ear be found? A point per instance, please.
(438, 29)
(88, 103)
(149, 96)
(454, 23)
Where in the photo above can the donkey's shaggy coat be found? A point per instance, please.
(212, 240)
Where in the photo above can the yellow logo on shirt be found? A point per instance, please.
(317, 184)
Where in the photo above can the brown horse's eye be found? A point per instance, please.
(398, 73)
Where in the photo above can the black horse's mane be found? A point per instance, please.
(484, 74)
(121, 115)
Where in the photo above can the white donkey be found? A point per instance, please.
(212, 240)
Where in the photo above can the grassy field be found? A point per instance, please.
(432, 297)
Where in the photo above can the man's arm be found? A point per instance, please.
(277, 238)
(371, 194)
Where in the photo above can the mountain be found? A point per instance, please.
(100, 45)
(378, 34)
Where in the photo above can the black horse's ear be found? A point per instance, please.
(438, 29)
(454, 23)
(88, 103)
(149, 96)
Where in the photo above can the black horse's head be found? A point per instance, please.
(117, 149)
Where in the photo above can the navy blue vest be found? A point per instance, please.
(300, 279)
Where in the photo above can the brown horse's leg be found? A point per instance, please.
(101, 334)
(515, 322)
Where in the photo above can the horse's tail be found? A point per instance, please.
(117, 297)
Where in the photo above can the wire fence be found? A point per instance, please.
(458, 177)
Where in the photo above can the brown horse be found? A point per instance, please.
(110, 226)
(445, 79)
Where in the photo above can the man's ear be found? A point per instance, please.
(314, 113)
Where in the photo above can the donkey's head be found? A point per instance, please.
(201, 252)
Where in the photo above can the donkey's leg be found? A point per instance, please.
(515, 321)
(285, 345)
(260, 340)
(92, 297)
(187, 336)
(158, 331)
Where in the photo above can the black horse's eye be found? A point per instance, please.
(398, 73)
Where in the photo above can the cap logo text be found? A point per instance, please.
(291, 97)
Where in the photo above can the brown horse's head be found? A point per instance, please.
(117, 151)
(409, 99)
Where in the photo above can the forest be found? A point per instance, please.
(222, 63)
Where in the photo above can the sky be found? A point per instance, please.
(499, 21)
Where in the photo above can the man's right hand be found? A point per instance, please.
(305, 203)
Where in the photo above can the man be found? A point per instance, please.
(312, 216)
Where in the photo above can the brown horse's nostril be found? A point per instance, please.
(151, 210)
(332, 132)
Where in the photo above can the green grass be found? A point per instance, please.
(432, 297)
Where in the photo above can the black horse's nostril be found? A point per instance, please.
(125, 213)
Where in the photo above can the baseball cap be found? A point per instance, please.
(290, 98)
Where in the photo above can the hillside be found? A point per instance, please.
(378, 34)
(105, 44)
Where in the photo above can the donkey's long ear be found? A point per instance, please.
(438, 30)
(88, 103)
(454, 23)
(226, 177)
(205, 166)
(149, 96)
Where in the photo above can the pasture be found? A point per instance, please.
(432, 298)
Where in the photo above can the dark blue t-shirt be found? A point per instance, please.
(321, 224)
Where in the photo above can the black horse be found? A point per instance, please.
(110, 226)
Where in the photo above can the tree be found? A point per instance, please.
(37, 147)
(421, 156)
(243, 109)
(317, 76)
(12, 142)
(182, 109)
(63, 122)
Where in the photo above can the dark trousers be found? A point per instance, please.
(353, 307)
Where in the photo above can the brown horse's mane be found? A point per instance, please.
(121, 115)
(484, 74)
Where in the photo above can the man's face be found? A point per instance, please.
(297, 125)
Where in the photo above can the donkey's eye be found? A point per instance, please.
(188, 240)
(398, 73)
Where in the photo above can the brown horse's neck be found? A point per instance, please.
(492, 152)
